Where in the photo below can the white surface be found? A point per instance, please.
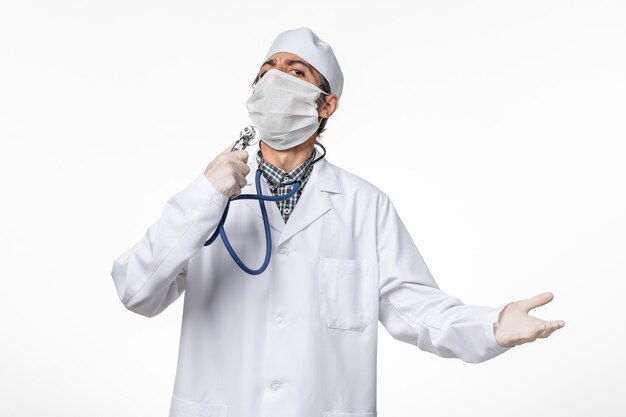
(507, 115)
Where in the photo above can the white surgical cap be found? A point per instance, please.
(304, 43)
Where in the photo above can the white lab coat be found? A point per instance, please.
(300, 339)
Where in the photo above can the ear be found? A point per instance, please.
(331, 102)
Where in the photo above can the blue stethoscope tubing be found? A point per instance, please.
(266, 223)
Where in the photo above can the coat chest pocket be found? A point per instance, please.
(186, 408)
(346, 291)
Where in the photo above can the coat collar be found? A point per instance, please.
(312, 204)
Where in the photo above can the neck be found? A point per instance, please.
(290, 158)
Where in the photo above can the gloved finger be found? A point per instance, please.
(536, 301)
(234, 192)
(551, 327)
(242, 167)
(230, 147)
(543, 331)
(241, 155)
(241, 180)
(539, 331)
(529, 337)
(245, 170)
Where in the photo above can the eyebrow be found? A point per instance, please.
(272, 62)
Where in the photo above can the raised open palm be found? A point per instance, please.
(516, 327)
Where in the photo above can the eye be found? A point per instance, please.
(297, 72)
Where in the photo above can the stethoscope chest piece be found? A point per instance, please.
(248, 136)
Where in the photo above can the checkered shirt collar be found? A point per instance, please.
(277, 176)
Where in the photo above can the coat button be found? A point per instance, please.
(276, 386)
(279, 320)
(283, 251)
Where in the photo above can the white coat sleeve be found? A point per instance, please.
(151, 274)
(414, 310)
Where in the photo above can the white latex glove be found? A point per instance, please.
(516, 327)
(227, 172)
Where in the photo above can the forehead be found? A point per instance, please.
(286, 56)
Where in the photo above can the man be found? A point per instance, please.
(299, 339)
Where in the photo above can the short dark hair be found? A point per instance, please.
(325, 87)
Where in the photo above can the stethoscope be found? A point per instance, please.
(250, 136)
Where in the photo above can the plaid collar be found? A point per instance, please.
(277, 176)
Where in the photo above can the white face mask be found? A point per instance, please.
(283, 107)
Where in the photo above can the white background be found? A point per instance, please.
(496, 127)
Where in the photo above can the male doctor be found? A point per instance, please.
(298, 340)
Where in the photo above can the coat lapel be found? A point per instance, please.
(312, 204)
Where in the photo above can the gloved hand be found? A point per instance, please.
(227, 172)
(515, 326)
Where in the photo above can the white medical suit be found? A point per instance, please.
(300, 339)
